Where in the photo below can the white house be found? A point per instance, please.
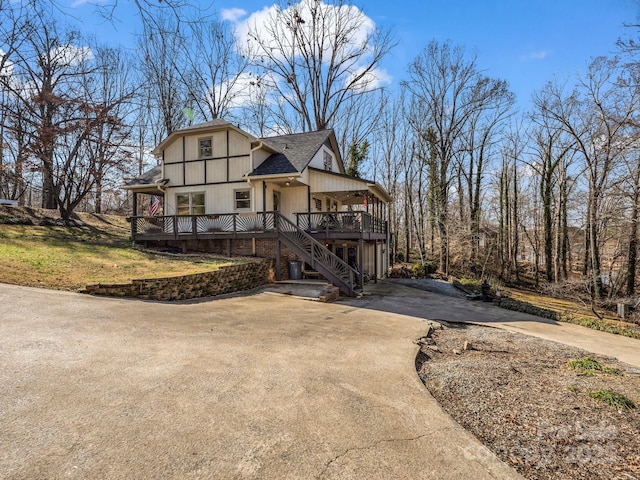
(224, 191)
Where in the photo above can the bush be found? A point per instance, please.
(431, 267)
(418, 269)
(590, 366)
(613, 398)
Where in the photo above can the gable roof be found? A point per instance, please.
(300, 147)
(206, 127)
(295, 152)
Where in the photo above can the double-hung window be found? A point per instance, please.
(190, 203)
(205, 148)
(328, 161)
(242, 199)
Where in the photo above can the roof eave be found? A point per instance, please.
(274, 175)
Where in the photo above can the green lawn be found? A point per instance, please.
(67, 258)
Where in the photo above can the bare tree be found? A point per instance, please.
(108, 144)
(318, 57)
(216, 73)
(453, 92)
(161, 49)
(553, 151)
(598, 115)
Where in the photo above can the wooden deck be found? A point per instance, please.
(321, 225)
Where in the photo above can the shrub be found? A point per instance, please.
(590, 366)
(431, 267)
(418, 269)
(613, 398)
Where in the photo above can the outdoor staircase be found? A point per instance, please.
(320, 258)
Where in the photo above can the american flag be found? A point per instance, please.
(154, 205)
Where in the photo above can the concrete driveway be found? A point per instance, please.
(418, 302)
(256, 386)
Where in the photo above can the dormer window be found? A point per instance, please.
(204, 148)
(328, 161)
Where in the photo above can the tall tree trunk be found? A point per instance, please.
(595, 249)
(443, 225)
(633, 237)
(547, 220)
(516, 223)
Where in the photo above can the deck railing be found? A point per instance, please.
(191, 226)
(361, 222)
(181, 226)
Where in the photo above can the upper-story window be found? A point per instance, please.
(328, 161)
(205, 148)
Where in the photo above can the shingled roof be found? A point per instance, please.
(150, 177)
(296, 149)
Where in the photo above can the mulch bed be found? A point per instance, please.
(516, 394)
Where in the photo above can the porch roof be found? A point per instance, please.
(149, 180)
(357, 184)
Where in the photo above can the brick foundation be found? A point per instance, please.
(237, 247)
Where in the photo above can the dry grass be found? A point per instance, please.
(67, 258)
(562, 306)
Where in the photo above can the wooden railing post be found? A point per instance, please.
(175, 227)
(134, 228)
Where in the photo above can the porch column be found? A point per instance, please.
(134, 225)
(278, 253)
(375, 261)
(264, 196)
(361, 261)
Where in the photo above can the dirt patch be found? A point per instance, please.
(516, 394)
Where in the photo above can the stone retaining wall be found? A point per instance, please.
(228, 279)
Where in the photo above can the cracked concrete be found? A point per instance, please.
(255, 386)
(366, 447)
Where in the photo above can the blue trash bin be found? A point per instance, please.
(295, 270)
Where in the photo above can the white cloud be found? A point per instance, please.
(358, 27)
(6, 65)
(70, 55)
(232, 14)
(372, 80)
(536, 55)
(79, 3)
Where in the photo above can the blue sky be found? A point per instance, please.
(526, 42)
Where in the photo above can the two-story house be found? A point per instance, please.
(224, 191)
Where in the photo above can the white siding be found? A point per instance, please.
(321, 182)
(220, 144)
(239, 167)
(238, 144)
(293, 200)
(194, 173)
(318, 159)
(173, 152)
(173, 171)
(216, 171)
(218, 198)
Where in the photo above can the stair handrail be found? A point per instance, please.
(314, 244)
